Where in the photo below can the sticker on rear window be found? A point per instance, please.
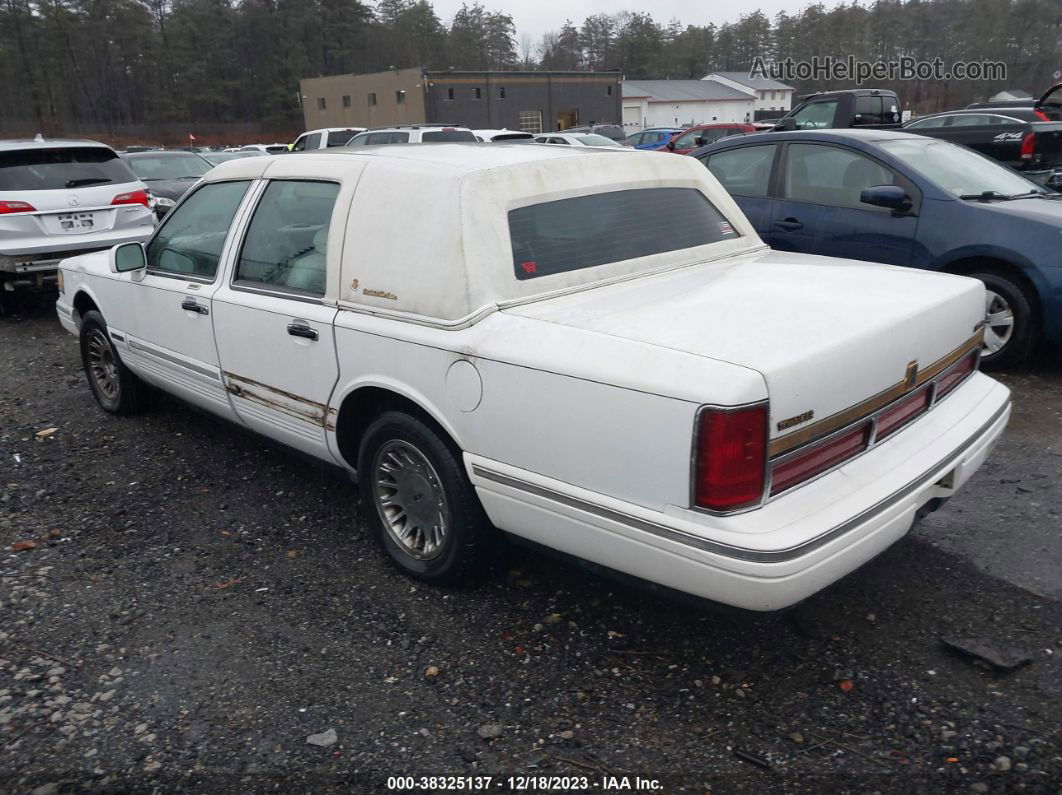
(725, 228)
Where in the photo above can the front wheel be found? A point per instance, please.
(419, 502)
(1010, 321)
(114, 385)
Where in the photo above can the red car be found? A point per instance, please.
(702, 134)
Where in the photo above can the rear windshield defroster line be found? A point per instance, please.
(571, 234)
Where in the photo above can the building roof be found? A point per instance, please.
(681, 90)
(757, 83)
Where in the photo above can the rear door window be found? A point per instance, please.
(745, 171)
(286, 243)
(61, 168)
(572, 234)
(868, 110)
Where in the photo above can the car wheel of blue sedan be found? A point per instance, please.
(1010, 329)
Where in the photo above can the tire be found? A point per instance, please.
(1009, 342)
(114, 385)
(442, 539)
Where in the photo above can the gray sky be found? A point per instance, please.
(537, 16)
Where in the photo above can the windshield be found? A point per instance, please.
(595, 140)
(448, 136)
(187, 166)
(957, 170)
(67, 167)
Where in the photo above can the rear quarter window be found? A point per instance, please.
(572, 234)
(62, 168)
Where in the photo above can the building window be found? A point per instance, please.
(609, 91)
(346, 100)
(501, 92)
(449, 93)
(400, 97)
(477, 93)
(531, 121)
(372, 99)
(321, 104)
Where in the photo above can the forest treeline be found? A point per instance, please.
(67, 65)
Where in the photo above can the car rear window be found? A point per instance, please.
(448, 136)
(571, 234)
(613, 131)
(340, 138)
(66, 167)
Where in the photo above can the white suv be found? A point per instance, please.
(325, 138)
(415, 134)
(61, 198)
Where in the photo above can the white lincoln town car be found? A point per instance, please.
(589, 349)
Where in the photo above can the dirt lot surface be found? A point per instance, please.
(198, 604)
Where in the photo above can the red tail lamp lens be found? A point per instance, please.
(731, 458)
(902, 413)
(819, 459)
(133, 197)
(957, 374)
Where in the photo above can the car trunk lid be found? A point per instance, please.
(828, 335)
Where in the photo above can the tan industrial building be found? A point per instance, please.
(531, 101)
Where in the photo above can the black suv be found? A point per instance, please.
(857, 107)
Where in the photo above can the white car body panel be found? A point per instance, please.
(574, 396)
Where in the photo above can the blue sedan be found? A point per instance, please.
(893, 197)
(653, 139)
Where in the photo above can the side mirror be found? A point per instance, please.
(127, 257)
(892, 197)
(788, 124)
(671, 146)
(699, 140)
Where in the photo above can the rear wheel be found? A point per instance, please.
(419, 502)
(114, 385)
(1010, 321)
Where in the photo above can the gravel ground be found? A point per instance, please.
(198, 604)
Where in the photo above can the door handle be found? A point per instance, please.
(302, 330)
(789, 224)
(191, 305)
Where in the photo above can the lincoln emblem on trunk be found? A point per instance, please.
(911, 375)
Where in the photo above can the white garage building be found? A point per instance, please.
(683, 103)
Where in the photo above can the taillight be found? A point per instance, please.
(820, 458)
(730, 458)
(1028, 146)
(956, 374)
(133, 197)
(16, 207)
(902, 413)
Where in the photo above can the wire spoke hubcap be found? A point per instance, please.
(999, 322)
(410, 499)
(102, 364)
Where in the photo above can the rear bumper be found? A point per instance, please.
(776, 556)
(45, 258)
